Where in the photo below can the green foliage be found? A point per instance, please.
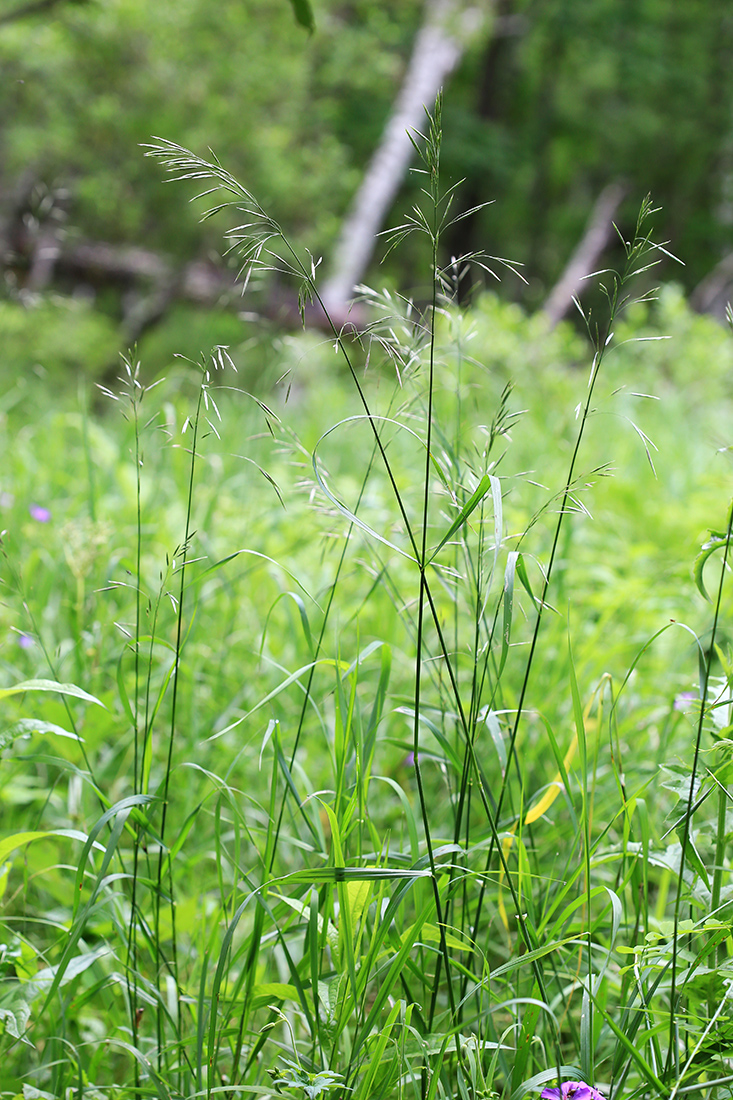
(310, 1084)
(304, 14)
(53, 339)
(548, 106)
(395, 785)
(577, 94)
(184, 332)
(85, 89)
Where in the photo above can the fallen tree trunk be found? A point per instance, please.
(584, 259)
(151, 283)
(34, 7)
(97, 260)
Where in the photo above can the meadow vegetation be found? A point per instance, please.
(366, 713)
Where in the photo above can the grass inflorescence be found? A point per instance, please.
(356, 756)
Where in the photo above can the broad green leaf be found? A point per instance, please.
(45, 977)
(49, 685)
(524, 1042)
(524, 578)
(359, 896)
(506, 628)
(10, 843)
(299, 603)
(15, 1019)
(304, 14)
(532, 956)
(491, 721)
(268, 992)
(26, 727)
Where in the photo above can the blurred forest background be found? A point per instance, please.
(556, 112)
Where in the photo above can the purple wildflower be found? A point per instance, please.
(685, 699)
(40, 514)
(25, 641)
(572, 1090)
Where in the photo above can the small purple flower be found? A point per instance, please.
(25, 641)
(40, 514)
(572, 1090)
(685, 699)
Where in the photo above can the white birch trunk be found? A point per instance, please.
(584, 259)
(438, 47)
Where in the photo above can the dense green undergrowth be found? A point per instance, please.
(350, 740)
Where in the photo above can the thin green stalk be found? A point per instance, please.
(636, 251)
(253, 240)
(84, 406)
(184, 550)
(270, 863)
(132, 957)
(719, 864)
(687, 824)
(432, 160)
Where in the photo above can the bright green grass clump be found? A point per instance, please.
(353, 743)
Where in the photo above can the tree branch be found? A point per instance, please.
(713, 294)
(151, 283)
(585, 258)
(33, 7)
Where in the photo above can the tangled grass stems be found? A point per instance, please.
(252, 240)
(396, 898)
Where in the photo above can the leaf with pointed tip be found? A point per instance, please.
(26, 727)
(9, 843)
(304, 14)
(717, 540)
(49, 685)
(488, 481)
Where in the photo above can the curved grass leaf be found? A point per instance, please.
(9, 843)
(546, 1077)
(487, 482)
(26, 727)
(717, 541)
(50, 685)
